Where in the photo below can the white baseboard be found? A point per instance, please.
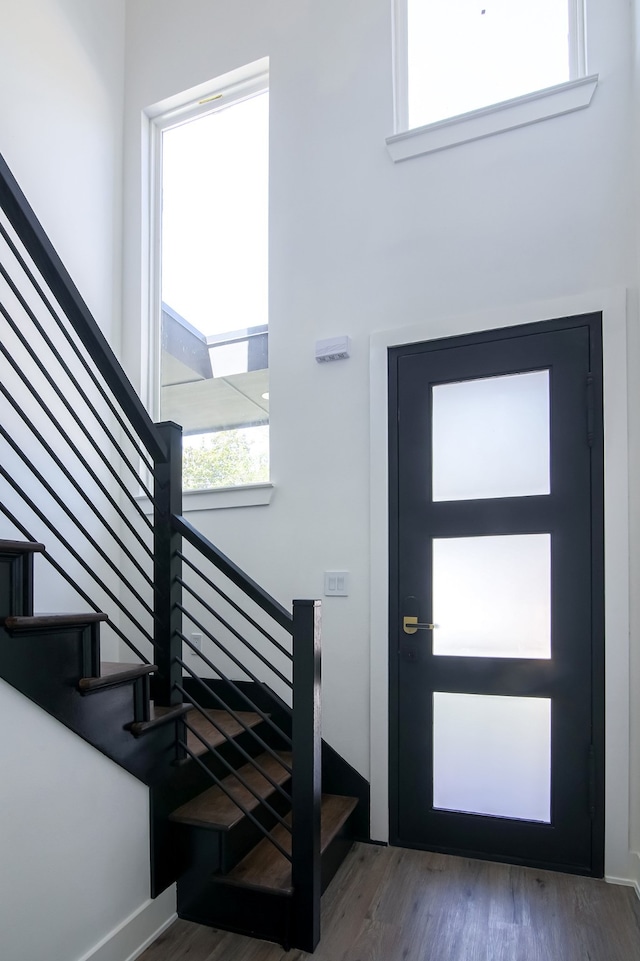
(130, 938)
(625, 882)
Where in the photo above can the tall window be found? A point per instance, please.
(459, 55)
(214, 377)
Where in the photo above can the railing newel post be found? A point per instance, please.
(307, 783)
(167, 567)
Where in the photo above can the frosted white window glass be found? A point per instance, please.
(491, 437)
(492, 755)
(492, 596)
(466, 54)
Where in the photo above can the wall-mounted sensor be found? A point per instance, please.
(335, 348)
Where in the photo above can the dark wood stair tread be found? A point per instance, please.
(20, 547)
(112, 674)
(158, 717)
(214, 809)
(265, 868)
(40, 622)
(207, 728)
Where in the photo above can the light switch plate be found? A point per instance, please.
(336, 583)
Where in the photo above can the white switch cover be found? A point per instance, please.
(336, 583)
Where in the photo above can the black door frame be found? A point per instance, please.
(594, 322)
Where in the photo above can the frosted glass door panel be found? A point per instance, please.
(492, 596)
(491, 437)
(492, 755)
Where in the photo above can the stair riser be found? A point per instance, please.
(333, 857)
(338, 777)
(46, 668)
(259, 696)
(257, 914)
(184, 782)
(193, 780)
(16, 585)
(224, 849)
(245, 835)
(254, 911)
(202, 850)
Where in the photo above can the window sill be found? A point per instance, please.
(249, 495)
(487, 121)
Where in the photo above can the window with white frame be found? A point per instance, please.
(211, 279)
(456, 56)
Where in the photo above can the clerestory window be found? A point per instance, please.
(456, 56)
(211, 312)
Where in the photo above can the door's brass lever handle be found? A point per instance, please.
(410, 625)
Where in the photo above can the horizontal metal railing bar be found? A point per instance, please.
(42, 253)
(25, 380)
(220, 645)
(74, 553)
(233, 631)
(60, 359)
(225, 707)
(69, 407)
(266, 834)
(235, 773)
(253, 590)
(235, 606)
(72, 517)
(81, 357)
(80, 489)
(245, 697)
(67, 577)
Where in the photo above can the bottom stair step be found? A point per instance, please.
(265, 868)
(256, 897)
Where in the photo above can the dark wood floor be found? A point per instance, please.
(391, 904)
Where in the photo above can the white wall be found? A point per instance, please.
(359, 245)
(74, 849)
(74, 839)
(61, 63)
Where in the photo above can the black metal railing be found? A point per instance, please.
(76, 445)
(79, 459)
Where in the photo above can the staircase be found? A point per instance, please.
(251, 812)
(231, 875)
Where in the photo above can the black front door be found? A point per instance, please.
(496, 597)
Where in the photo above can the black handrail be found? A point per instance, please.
(237, 576)
(27, 226)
